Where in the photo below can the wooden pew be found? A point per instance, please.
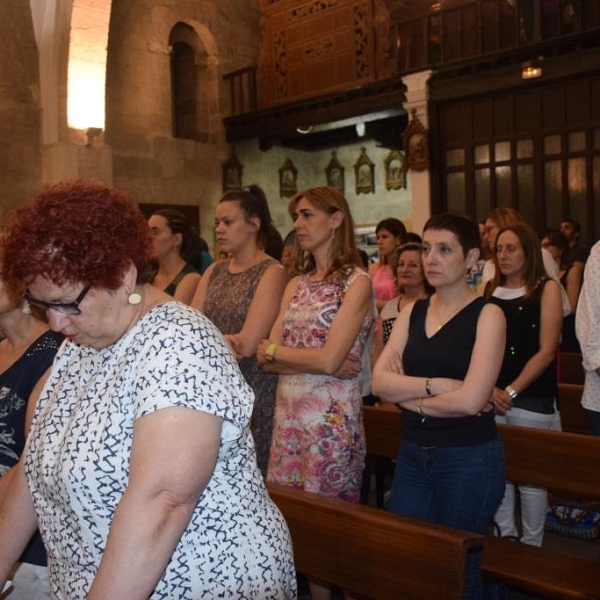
(382, 431)
(565, 463)
(570, 369)
(569, 465)
(573, 416)
(370, 552)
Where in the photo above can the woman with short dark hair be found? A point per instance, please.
(439, 365)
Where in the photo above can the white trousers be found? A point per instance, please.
(29, 582)
(534, 500)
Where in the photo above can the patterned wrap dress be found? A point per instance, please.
(318, 438)
(228, 299)
(237, 544)
(16, 385)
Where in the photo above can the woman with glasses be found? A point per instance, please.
(26, 353)
(140, 468)
(412, 285)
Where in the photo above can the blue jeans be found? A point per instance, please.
(594, 417)
(456, 486)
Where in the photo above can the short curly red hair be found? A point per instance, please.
(75, 232)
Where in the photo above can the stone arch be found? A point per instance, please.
(71, 38)
(195, 36)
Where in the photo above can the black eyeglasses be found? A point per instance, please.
(67, 308)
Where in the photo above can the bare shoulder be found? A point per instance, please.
(491, 313)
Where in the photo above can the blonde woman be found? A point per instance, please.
(315, 346)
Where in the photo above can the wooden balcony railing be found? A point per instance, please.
(242, 87)
(483, 27)
(472, 30)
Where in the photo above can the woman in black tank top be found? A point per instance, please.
(439, 366)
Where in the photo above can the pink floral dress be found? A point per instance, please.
(318, 441)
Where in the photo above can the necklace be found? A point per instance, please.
(442, 322)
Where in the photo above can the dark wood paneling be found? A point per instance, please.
(553, 108)
(482, 124)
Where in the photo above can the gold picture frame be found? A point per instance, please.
(364, 172)
(416, 146)
(232, 172)
(288, 176)
(334, 173)
(395, 171)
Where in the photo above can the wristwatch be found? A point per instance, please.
(270, 352)
(511, 392)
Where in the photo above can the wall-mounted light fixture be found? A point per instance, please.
(360, 129)
(529, 70)
(91, 133)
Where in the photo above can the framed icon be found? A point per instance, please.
(415, 144)
(335, 172)
(232, 172)
(288, 175)
(395, 174)
(364, 171)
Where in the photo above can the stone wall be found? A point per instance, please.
(20, 156)
(147, 160)
(262, 168)
(137, 151)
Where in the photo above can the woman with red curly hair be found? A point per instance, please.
(140, 469)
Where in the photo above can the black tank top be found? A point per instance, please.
(523, 317)
(447, 353)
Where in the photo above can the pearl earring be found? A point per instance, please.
(134, 298)
(26, 308)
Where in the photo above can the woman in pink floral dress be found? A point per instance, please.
(315, 345)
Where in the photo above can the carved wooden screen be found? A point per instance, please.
(313, 47)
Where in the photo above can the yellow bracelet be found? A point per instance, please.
(270, 352)
(420, 410)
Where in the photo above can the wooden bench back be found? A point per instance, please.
(570, 369)
(382, 431)
(566, 463)
(370, 552)
(573, 416)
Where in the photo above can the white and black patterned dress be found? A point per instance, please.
(237, 544)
